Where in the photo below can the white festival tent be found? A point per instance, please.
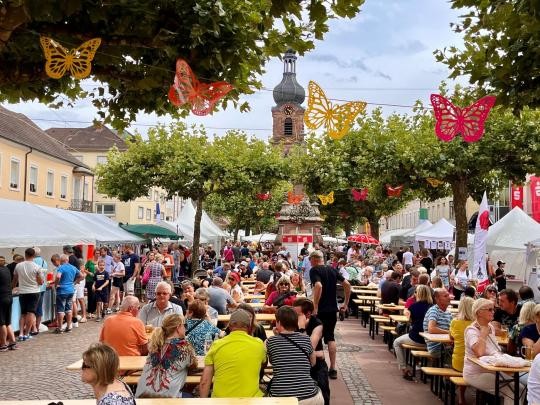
(508, 239)
(386, 237)
(260, 238)
(27, 225)
(408, 238)
(441, 231)
(210, 232)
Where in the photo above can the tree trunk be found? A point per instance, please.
(196, 235)
(348, 228)
(11, 17)
(236, 230)
(461, 193)
(374, 226)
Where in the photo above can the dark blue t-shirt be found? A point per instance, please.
(100, 278)
(529, 332)
(418, 312)
(129, 264)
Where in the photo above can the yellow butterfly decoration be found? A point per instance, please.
(434, 182)
(336, 119)
(77, 61)
(260, 213)
(326, 199)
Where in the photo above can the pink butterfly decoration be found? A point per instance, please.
(453, 120)
(393, 191)
(359, 195)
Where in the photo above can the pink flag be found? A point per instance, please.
(480, 238)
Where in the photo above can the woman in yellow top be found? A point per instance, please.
(457, 333)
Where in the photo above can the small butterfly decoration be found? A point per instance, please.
(187, 89)
(359, 195)
(393, 191)
(260, 213)
(326, 199)
(452, 120)
(264, 196)
(59, 60)
(294, 199)
(337, 120)
(434, 182)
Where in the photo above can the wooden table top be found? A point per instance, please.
(173, 401)
(259, 317)
(387, 307)
(249, 281)
(436, 337)
(400, 318)
(130, 363)
(368, 298)
(501, 369)
(256, 305)
(250, 297)
(363, 291)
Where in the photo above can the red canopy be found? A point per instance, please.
(363, 238)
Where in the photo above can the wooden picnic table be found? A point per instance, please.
(400, 318)
(131, 363)
(260, 317)
(172, 401)
(392, 308)
(363, 291)
(436, 337)
(255, 305)
(514, 371)
(249, 281)
(251, 297)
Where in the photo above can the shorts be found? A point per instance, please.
(64, 303)
(28, 303)
(5, 311)
(102, 296)
(118, 282)
(39, 307)
(79, 290)
(329, 320)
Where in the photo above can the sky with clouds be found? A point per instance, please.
(382, 56)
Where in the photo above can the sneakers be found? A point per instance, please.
(332, 374)
(108, 311)
(83, 320)
(23, 338)
(98, 318)
(75, 325)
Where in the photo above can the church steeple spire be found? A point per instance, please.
(288, 90)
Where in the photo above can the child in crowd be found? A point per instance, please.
(100, 288)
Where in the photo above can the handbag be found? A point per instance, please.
(146, 276)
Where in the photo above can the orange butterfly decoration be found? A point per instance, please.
(393, 191)
(434, 182)
(187, 89)
(60, 60)
(294, 199)
(359, 195)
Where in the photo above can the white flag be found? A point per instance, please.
(480, 238)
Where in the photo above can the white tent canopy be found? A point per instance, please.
(441, 231)
(407, 238)
(333, 241)
(513, 231)
(386, 237)
(28, 225)
(260, 238)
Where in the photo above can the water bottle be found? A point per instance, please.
(207, 342)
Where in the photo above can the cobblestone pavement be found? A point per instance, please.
(38, 369)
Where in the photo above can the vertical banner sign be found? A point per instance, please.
(535, 197)
(516, 196)
(480, 238)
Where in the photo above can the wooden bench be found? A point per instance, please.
(387, 335)
(454, 382)
(363, 313)
(374, 321)
(408, 347)
(438, 375)
(422, 355)
(134, 379)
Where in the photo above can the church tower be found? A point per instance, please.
(288, 113)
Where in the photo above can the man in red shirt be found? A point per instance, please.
(124, 331)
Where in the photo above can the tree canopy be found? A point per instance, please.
(502, 49)
(185, 163)
(228, 40)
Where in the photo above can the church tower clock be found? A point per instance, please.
(288, 113)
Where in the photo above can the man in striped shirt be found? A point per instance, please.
(437, 320)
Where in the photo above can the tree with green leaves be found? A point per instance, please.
(508, 150)
(187, 164)
(228, 40)
(243, 210)
(502, 49)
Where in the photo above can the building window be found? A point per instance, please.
(106, 209)
(148, 214)
(288, 126)
(33, 179)
(156, 196)
(102, 160)
(140, 213)
(50, 183)
(15, 174)
(63, 187)
(451, 213)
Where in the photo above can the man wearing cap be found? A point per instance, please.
(500, 277)
(234, 362)
(324, 280)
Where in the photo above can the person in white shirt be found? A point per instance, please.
(533, 383)
(407, 259)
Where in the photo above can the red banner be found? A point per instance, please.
(516, 196)
(535, 197)
(297, 239)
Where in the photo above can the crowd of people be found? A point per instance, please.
(156, 290)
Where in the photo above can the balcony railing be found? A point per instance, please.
(81, 205)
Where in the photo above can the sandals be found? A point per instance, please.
(3, 348)
(13, 346)
(408, 376)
